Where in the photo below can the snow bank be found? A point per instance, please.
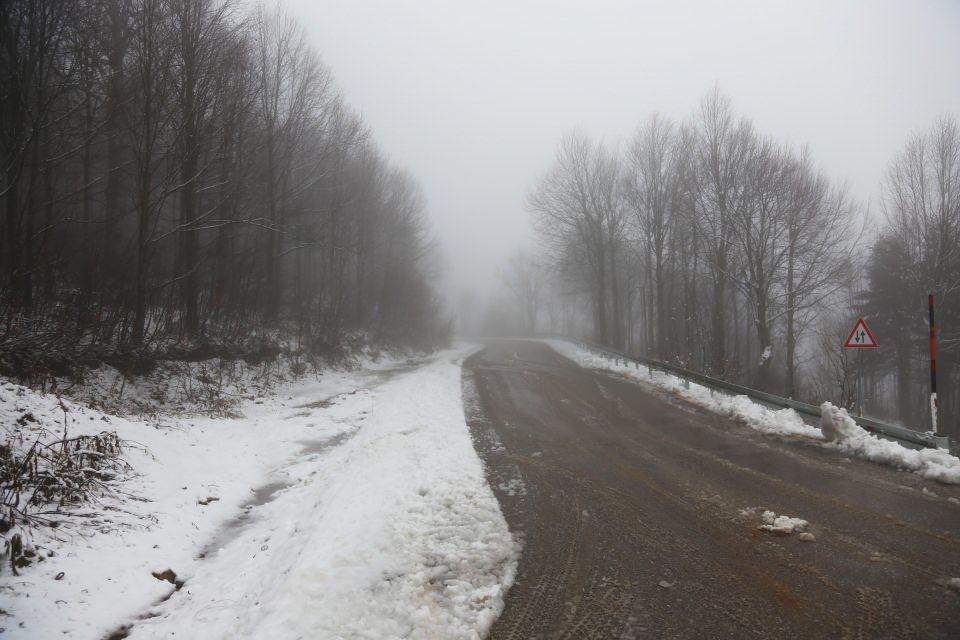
(933, 464)
(211, 387)
(782, 422)
(394, 533)
(837, 430)
(367, 513)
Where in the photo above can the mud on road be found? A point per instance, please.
(633, 512)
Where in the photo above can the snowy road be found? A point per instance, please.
(645, 516)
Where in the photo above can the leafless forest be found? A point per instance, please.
(185, 172)
(183, 177)
(712, 245)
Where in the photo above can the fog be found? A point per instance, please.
(473, 98)
(416, 317)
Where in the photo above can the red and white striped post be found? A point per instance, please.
(933, 366)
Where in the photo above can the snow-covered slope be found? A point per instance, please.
(373, 519)
(934, 464)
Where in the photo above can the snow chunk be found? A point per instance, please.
(782, 525)
(837, 425)
(766, 355)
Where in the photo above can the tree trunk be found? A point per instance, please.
(112, 212)
(616, 302)
(763, 338)
(661, 307)
(718, 363)
(600, 330)
(140, 293)
(189, 276)
(790, 389)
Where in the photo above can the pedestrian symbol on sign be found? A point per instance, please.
(861, 337)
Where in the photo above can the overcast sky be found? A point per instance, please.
(473, 97)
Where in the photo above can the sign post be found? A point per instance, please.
(860, 338)
(933, 366)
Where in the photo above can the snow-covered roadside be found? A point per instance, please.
(383, 525)
(213, 387)
(180, 465)
(393, 533)
(933, 464)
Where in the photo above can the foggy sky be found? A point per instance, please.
(473, 97)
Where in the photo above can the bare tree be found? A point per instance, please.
(654, 189)
(723, 146)
(525, 279)
(822, 232)
(202, 32)
(578, 201)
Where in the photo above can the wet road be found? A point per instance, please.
(630, 506)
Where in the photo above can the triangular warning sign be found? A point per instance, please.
(861, 337)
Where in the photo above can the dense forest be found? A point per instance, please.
(184, 172)
(713, 246)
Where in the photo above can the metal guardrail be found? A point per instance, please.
(896, 432)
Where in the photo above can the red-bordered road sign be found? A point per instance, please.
(861, 337)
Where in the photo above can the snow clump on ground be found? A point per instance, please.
(784, 525)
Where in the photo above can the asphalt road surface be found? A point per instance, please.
(630, 508)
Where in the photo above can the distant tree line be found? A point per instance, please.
(178, 170)
(715, 247)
